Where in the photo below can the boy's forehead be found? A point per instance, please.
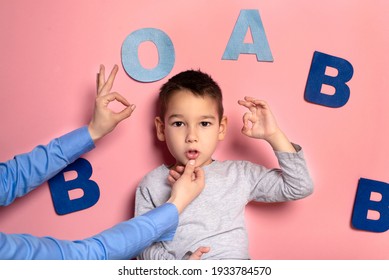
(185, 102)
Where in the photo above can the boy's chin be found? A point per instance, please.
(197, 164)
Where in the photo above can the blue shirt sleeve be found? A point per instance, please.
(128, 239)
(123, 241)
(27, 171)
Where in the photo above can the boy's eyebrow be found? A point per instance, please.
(175, 116)
(182, 116)
(208, 117)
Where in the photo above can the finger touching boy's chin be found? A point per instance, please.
(201, 162)
(184, 162)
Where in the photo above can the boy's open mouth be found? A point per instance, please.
(192, 154)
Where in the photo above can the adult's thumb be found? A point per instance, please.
(190, 167)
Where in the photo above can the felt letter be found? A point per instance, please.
(248, 20)
(60, 188)
(130, 58)
(364, 204)
(317, 78)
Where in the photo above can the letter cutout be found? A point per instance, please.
(363, 204)
(317, 78)
(130, 58)
(60, 188)
(248, 20)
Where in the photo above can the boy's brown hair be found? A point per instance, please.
(197, 82)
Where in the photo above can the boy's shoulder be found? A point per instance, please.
(231, 163)
(231, 166)
(155, 177)
(162, 169)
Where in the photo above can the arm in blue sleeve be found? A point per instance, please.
(27, 171)
(123, 241)
(129, 239)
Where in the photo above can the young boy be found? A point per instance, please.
(191, 122)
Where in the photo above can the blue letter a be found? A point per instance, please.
(248, 19)
(317, 78)
(364, 203)
(60, 188)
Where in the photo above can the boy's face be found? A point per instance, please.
(191, 127)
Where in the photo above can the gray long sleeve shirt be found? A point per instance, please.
(216, 217)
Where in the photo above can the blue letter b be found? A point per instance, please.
(363, 204)
(317, 78)
(60, 188)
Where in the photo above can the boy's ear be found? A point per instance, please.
(160, 127)
(222, 128)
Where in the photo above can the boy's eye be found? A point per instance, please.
(205, 124)
(178, 124)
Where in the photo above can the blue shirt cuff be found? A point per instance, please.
(76, 143)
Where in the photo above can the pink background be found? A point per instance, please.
(50, 53)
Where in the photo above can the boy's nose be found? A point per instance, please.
(191, 136)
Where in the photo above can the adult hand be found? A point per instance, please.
(104, 120)
(175, 173)
(188, 186)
